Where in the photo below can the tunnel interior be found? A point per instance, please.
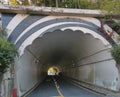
(77, 55)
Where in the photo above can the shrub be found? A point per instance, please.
(116, 53)
(8, 51)
(7, 54)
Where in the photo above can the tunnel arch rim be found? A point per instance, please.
(44, 33)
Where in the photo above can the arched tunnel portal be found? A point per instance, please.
(73, 45)
(76, 54)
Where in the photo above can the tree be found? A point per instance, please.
(8, 51)
(7, 54)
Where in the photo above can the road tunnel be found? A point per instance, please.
(72, 45)
(75, 54)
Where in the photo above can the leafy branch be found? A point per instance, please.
(8, 51)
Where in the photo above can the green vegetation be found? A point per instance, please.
(112, 6)
(116, 27)
(116, 53)
(7, 51)
(111, 23)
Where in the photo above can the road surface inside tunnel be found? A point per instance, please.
(57, 87)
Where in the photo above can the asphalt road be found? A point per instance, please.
(56, 87)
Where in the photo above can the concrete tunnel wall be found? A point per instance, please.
(95, 66)
(82, 51)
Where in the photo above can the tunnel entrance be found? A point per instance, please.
(77, 55)
(53, 71)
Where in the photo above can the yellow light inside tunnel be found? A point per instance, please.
(53, 71)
